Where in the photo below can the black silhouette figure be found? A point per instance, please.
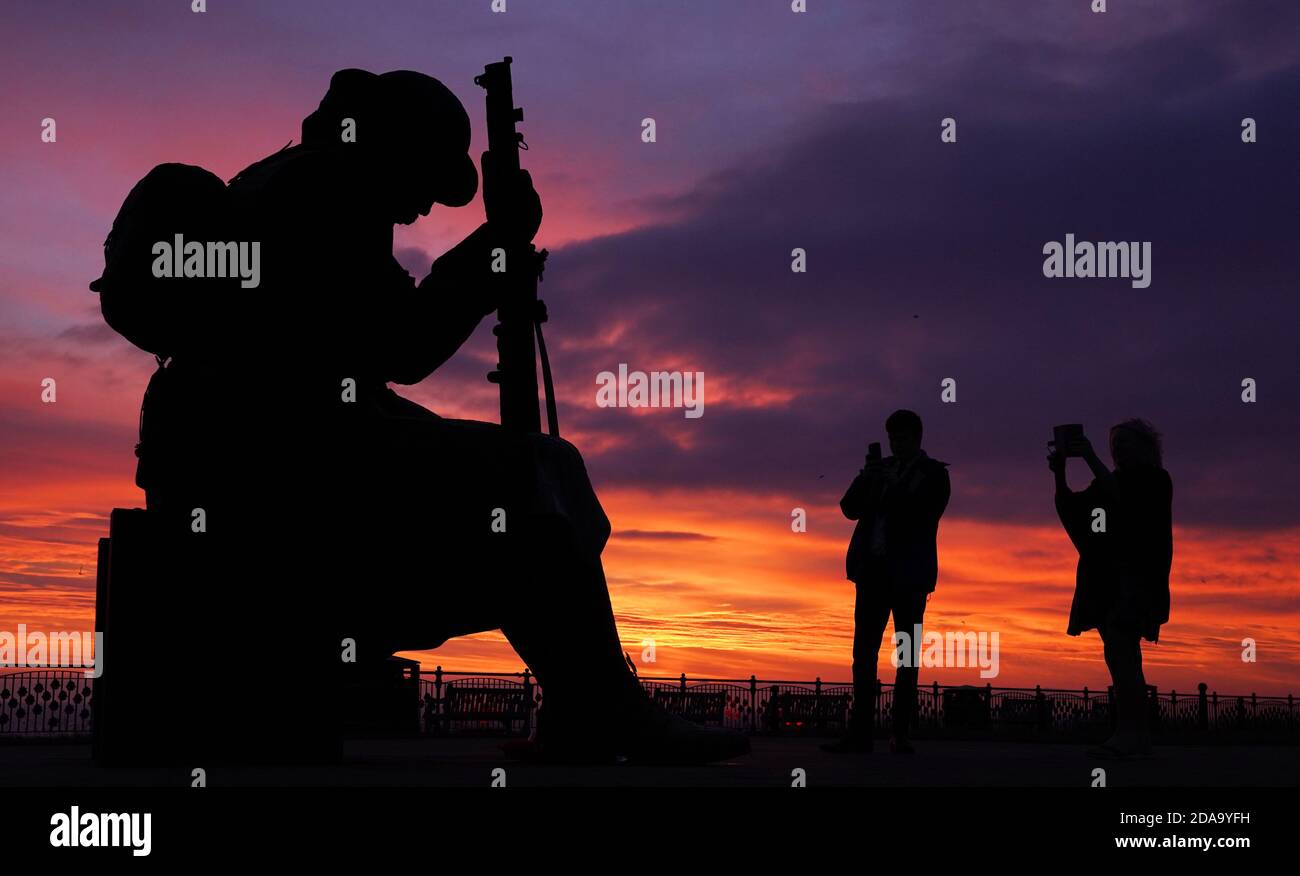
(270, 410)
(1121, 524)
(893, 561)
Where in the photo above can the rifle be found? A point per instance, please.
(521, 313)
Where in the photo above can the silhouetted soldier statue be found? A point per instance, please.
(893, 561)
(273, 409)
(1122, 526)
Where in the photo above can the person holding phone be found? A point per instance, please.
(893, 562)
(1121, 525)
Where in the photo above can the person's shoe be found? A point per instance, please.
(899, 745)
(850, 745)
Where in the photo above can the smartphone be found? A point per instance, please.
(1062, 436)
(873, 450)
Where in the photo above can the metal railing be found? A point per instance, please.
(59, 703)
(778, 706)
(45, 702)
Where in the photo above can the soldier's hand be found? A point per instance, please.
(513, 207)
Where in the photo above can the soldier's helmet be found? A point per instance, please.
(404, 117)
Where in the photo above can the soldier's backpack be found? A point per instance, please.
(162, 315)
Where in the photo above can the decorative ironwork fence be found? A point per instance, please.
(45, 702)
(953, 711)
(54, 703)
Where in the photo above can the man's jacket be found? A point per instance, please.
(898, 521)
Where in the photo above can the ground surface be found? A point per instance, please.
(470, 761)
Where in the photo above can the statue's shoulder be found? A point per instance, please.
(293, 167)
(301, 184)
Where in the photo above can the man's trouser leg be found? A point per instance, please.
(909, 611)
(870, 615)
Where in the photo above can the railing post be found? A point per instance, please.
(439, 712)
(1040, 706)
(877, 713)
(1087, 708)
(753, 702)
(528, 701)
(1202, 709)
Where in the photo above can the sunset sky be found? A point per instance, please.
(775, 130)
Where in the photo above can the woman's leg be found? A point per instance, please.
(1123, 652)
(1141, 708)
